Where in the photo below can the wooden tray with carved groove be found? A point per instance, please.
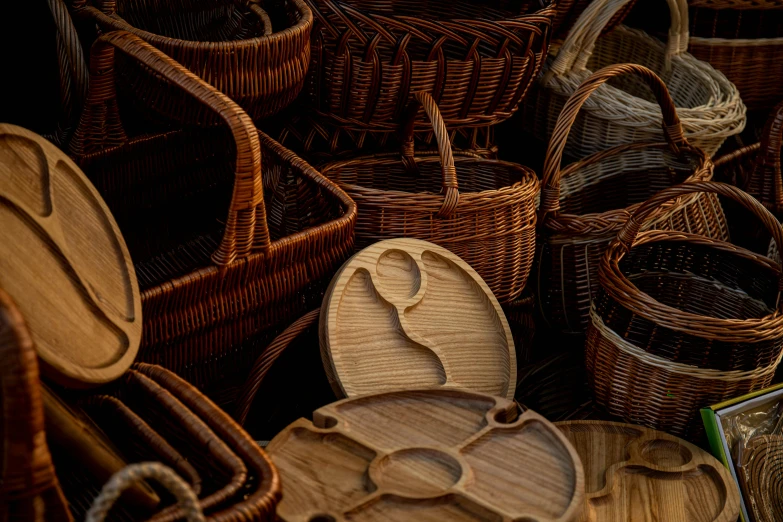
(761, 474)
(436, 454)
(635, 474)
(405, 313)
(65, 264)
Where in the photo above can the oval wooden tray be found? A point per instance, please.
(65, 264)
(635, 474)
(438, 454)
(405, 313)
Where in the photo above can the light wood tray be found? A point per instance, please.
(635, 474)
(405, 313)
(430, 455)
(65, 264)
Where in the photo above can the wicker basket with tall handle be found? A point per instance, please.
(683, 320)
(482, 210)
(708, 104)
(210, 278)
(585, 204)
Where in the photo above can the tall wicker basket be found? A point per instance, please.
(584, 204)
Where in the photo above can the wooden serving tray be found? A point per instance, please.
(405, 313)
(65, 264)
(434, 455)
(635, 474)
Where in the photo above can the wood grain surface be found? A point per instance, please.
(635, 474)
(64, 262)
(405, 313)
(436, 454)
(761, 473)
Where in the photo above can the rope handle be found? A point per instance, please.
(100, 127)
(135, 473)
(550, 186)
(766, 169)
(449, 171)
(265, 361)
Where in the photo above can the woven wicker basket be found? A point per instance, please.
(221, 256)
(744, 40)
(487, 219)
(708, 104)
(569, 11)
(228, 43)
(585, 204)
(683, 321)
(475, 57)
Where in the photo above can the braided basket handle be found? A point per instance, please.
(107, 7)
(265, 361)
(630, 230)
(766, 169)
(550, 190)
(135, 473)
(246, 228)
(449, 171)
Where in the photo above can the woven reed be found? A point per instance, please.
(708, 104)
(569, 11)
(29, 489)
(475, 57)
(482, 210)
(683, 320)
(210, 279)
(585, 204)
(228, 43)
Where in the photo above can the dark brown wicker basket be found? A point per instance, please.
(221, 255)
(228, 43)
(476, 58)
(482, 210)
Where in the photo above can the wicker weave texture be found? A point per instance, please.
(228, 43)
(475, 57)
(221, 254)
(569, 11)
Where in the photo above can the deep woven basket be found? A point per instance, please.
(231, 44)
(682, 320)
(708, 104)
(476, 58)
(585, 204)
(221, 254)
(744, 40)
(482, 210)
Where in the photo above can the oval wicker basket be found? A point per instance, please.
(682, 320)
(708, 104)
(482, 210)
(476, 58)
(228, 43)
(585, 204)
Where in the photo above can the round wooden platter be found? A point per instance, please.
(762, 475)
(435, 454)
(635, 474)
(405, 313)
(65, 264)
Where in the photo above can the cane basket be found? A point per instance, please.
(708, 104)
(230, 44)
(487, 217)
(683, 320)
(585, 204)
(210, 279)
(476, 58)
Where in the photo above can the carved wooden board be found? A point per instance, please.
(64, 262)
(431, 455)
(762, 475)
(405, 313)
(635, 474)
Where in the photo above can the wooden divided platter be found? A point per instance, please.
(65, 264)
(637, 474)
(761, 473)
(430, 455)
(405, 313)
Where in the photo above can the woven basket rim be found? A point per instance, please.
(738, 42)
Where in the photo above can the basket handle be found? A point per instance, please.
(767, 166)
(550, 190)
(135, 473)
(449, 171)
(630, 230)
(580, 42)
(246, 228)
(265, 361)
